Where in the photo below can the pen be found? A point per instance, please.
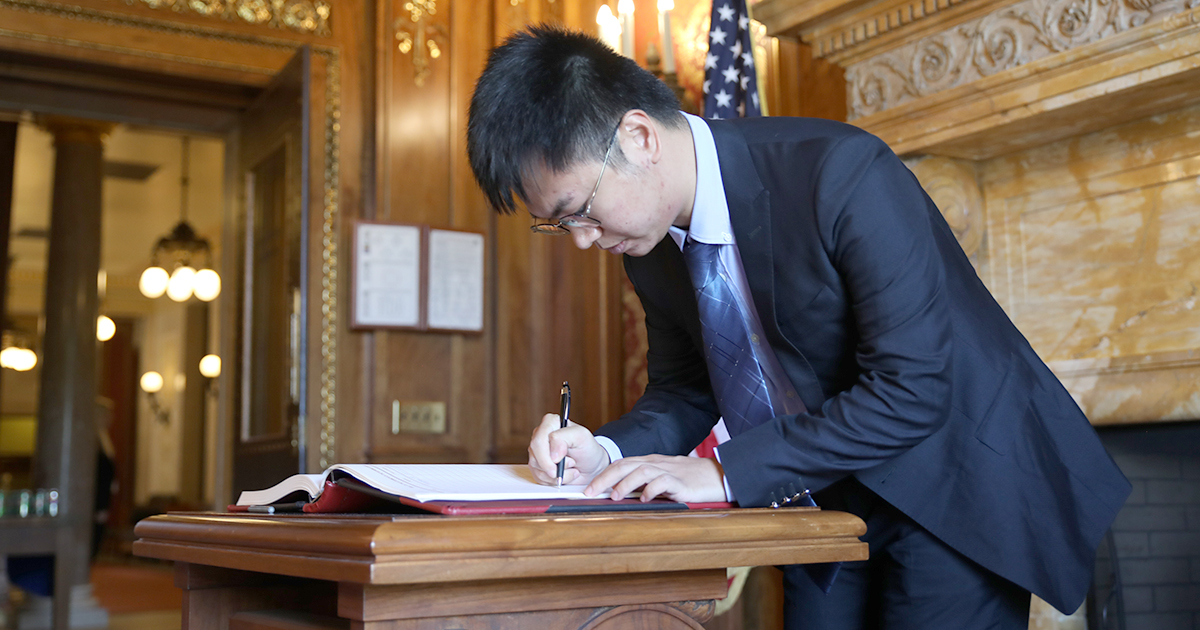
(565, 411)
(291, 506)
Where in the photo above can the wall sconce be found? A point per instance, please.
(152, 383)
(105, 328)
(210, 369)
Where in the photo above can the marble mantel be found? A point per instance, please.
(1061, 139)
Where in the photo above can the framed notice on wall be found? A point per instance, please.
(455, 263)
(388, 276)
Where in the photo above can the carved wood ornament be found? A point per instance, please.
(420, 38)
(302, 16)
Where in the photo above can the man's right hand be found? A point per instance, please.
(585, 457)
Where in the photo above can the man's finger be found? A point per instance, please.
(641, 475)
(539, 443)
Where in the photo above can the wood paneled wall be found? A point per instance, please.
(553, 312)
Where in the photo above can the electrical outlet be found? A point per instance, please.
(418, 416)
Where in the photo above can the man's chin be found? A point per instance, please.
(622, 247)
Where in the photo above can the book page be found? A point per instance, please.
(312, 484)
(455, 280)
(460, 482)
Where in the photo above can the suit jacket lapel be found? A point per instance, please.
(750, 213)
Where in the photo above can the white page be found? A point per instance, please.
(312, 484)
(455, 298)
(387, 275)
(460, 482)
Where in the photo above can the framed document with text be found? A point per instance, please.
(455, 294)
(388, 266)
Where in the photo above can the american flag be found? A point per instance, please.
(730, 83)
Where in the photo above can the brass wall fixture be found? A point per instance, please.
(420, 38)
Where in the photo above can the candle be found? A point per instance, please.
(664, 27)
(625, 8)
(610, 27)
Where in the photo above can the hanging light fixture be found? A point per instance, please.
(16, 354)
(182, 251)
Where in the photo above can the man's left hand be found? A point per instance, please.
(683, 479)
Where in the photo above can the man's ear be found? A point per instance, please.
(640, 138)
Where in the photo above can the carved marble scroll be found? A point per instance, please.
(1007, 38)
(953, 187)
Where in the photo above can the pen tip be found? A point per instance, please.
(558, 483)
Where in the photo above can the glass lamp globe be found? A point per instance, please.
(207, 285)
(153, 282)
(152, 382)
(30, 360)
(19, 359)
(179, 287)
(8, 357)
(210, 366)
(105, 328)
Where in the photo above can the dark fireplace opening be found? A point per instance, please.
(1157, 533)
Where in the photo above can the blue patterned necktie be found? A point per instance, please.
(733, 368)
(735, 372)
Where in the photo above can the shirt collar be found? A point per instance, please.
(710, 212)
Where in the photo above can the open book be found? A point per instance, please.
(425, 482)
(442, 488)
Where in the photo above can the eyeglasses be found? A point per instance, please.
(581, 218)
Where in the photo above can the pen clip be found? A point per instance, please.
(566, 402)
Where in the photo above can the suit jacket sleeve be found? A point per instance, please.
(877, 228)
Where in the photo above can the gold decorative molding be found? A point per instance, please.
(1002, 40)
(124, 20)
(302, 16)
(329, 259)
(418, 37)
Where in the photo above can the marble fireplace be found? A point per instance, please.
(1061, 139)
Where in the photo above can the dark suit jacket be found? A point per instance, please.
(914, 378)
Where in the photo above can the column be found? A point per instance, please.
(66, 432)
(8, 151)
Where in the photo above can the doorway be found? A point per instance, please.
(161, 444)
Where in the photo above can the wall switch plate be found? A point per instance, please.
(418, 416)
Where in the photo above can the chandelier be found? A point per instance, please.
(15, 352)
(185, 253)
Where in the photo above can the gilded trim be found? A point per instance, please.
(329, 261)
(168, 27)
(302, 16)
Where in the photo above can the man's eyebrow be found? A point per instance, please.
(560, 208)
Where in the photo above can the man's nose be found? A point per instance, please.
(584, 236)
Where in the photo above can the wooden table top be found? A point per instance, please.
(409, 549)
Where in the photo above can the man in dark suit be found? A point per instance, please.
(896, 388)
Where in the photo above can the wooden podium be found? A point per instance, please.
(603, 570)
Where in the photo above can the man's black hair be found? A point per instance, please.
(554, 96)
